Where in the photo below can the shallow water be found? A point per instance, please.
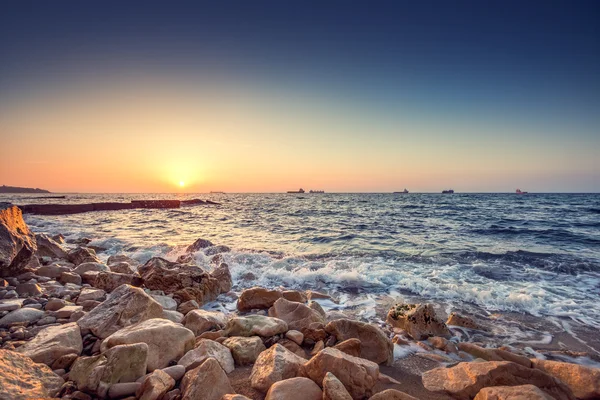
(537, 254)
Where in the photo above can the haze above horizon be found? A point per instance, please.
(117, 97)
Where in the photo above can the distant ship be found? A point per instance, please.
(316, 191)
(213, 192)
(296, 191)
(521, 192)
(402, 192)
(449, 191)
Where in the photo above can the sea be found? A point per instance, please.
(534, 255)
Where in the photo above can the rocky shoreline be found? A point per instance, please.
(73, 327)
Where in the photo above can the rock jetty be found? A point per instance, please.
(74, 327)
(64, 209)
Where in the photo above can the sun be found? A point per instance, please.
(181, 183)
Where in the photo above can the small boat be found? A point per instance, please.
(402, 192)
(296, 191)
(316, 191)
(521, 192)
(448, 191)
(213, 192)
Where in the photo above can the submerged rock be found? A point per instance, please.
(22, 379)
(17, 243)
(418, 320)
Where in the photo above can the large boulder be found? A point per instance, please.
(166, 340)
(82, 255)
(273, 365)
(119, 364)
(200, 321)
(334, 389)
(52, 343)
(255, 325)
(257, 298)
(22, 379)
(245, 350)
(523, 392)
(17, 243)
(184, 281)
(418, 320)
(466, 379)
(125, 306)
(204, 350)
(297, 315)
(358, 375)
(374, 343)
(48, 247)
(206, 382)
(295, 389)
(583, 381)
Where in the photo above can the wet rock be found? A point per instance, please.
(185, 282)
(257, 298)
(48, 247)
(460, 320)
(375, 345)
(21, 316)
(245, 350)
(493, 354)
(211, 251)
(166, 340)
(200, 321)
(522, 392)
(358, 375)
(125, 306)
(295, 389)
(583, 381)
(466, 379)
(392, 394)
(17, 243)
(297, 315)
(204, 350)
(52, 343)
(82, 255)
(206, 382)
(333, 388)
(418, 320)
(199, 244)
(22, 379)
(255, 325)
(223, 276)
(312, 295)
(156, 385)
(273, 365)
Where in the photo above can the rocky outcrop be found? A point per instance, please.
(185, 282)
(375, 345)
(207, 382)
(466, 379)
(204, 350)
(297, 315)
(245, 350)
(200, 321)
(257, 298)
(22, 379)
(17, 243)
(583, 381)
(273, 365)
(358, 375)
(418, 320)
(125, 306)
(295, 389)
(523, 392)
(333, 388)
(255, 325)
(52, 343)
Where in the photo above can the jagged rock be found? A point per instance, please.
(460, 320)
(211, 251)
(418, 320)
(295, 389)
(522, 392)
(200, 321)
(90, 267)
(185, 282)
(392, 394)
(82, 255)
(466, 379)
(333, 388)
(126, 305)
(119, 364)
(109, 281)
(350, 346)
(358, 375)
(255, 325)
(22, 379)
(297, 315)
(257, 298)
(52, 343)
(583, 381)
(206, 382)
(245, 350)
(20, 316)
(48, 247)
(17, 243)
(273, 365)
(223, 276)
(156, 385)
(375, 345)
(199, 244)
(167, 341)
(204, 350)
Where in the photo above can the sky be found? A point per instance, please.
(270, 96)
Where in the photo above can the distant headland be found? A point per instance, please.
(15, 189)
